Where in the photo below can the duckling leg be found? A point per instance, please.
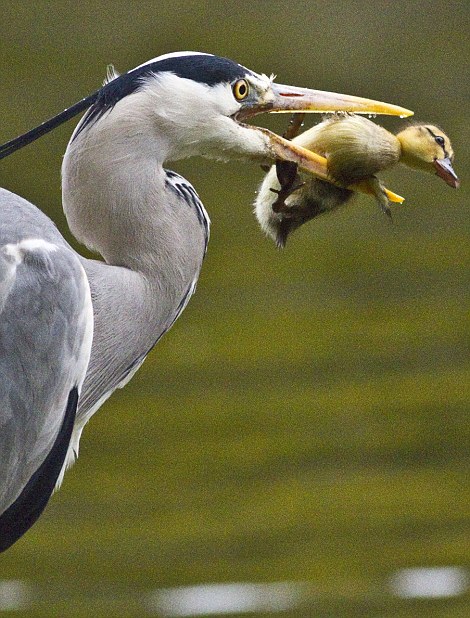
(378, 191)
(295, 124)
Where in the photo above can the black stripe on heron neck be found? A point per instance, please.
(26, 509)
(187, 194)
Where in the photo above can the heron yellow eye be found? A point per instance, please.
(240, 89)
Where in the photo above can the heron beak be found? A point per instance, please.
(445, 171)
(289, 99)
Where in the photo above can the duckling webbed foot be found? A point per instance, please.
(290, 182)
(286, 171)
(380, 195)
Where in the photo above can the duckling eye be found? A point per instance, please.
(439, 140)
(240, 89)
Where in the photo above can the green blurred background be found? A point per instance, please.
(306, 419)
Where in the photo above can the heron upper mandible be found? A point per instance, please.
(72, 329)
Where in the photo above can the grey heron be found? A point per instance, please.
(72, 330)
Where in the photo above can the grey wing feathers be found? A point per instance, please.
(46, 326)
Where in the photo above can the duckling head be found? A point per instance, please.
(426, 147)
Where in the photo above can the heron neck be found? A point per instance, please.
(117, 203)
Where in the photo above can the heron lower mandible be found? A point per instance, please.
(72, 330)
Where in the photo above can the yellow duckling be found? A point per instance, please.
(355, 149)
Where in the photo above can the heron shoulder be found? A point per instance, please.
(46, 329)
(21, 220)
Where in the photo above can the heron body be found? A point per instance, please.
(46, 319)
(72, 329)
(355, 150)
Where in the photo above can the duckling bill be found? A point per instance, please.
(355, 149)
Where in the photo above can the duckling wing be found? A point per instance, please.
(354, 147)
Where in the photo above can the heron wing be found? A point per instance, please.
(46, 323)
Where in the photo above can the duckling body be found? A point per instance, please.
(356, 149)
